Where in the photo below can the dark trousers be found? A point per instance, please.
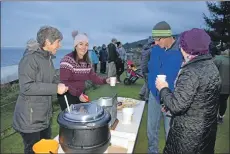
(120, 68)
(145, 89)
(95, 67)
(223, 103)
(71, 100)
(29, 139)
(103, 67)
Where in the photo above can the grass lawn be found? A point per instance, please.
(14, 143)
(7, 95)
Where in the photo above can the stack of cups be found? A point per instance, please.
(127, 115)
(113, 81)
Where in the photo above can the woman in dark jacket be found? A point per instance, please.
(194, 103)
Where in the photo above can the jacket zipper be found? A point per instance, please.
(48, 117)
(31, 115)
(160, 68)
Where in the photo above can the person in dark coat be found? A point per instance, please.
(103, 57)
(222, 63)
(38, 81)
(194, 102)
(145, 56)
(112, 58)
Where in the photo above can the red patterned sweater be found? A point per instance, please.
(74, 74)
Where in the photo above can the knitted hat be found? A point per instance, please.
(161, 29)
(195, 41)
(79, 38)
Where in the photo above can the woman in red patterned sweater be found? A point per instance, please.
(75, 69)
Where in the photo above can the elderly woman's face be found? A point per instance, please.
(53, 47)
(82, 48)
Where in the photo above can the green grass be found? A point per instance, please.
(14, 143)
(8, 94)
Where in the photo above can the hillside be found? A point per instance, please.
(135, 44)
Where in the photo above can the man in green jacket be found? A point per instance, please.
(222, 63)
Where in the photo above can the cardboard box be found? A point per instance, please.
(121, 142)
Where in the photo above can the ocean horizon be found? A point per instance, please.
(11, 56)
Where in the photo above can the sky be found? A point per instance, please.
(127, 21)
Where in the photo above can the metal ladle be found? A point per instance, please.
(67, 104)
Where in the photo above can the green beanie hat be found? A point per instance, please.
(161, 29)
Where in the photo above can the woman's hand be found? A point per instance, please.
(82, 98)
(108, 80)
(161, 84)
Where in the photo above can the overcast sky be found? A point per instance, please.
(127, 21)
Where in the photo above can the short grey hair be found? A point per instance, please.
(114, 40)
(50, 33)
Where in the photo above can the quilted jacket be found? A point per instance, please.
(193, 106)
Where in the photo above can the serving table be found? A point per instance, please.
(124, 136)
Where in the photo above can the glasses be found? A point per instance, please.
(156, 39)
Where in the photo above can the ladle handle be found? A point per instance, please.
(67, 104)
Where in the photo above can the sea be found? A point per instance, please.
(11, 56)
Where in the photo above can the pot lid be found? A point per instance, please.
(84, 112)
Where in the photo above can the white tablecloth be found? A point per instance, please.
(128, 128)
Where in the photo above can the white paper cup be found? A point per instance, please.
(127, 115)
(162, 77)
(113, 81)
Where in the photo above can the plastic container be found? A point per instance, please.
(46, 147)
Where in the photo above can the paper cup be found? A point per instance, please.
(113, 81)
(127, 115)
(162, 77)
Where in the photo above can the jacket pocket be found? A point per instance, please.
(39, 110)
(30, 110)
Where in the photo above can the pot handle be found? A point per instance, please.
(90, 124)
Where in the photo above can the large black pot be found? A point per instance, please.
(84, 132)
